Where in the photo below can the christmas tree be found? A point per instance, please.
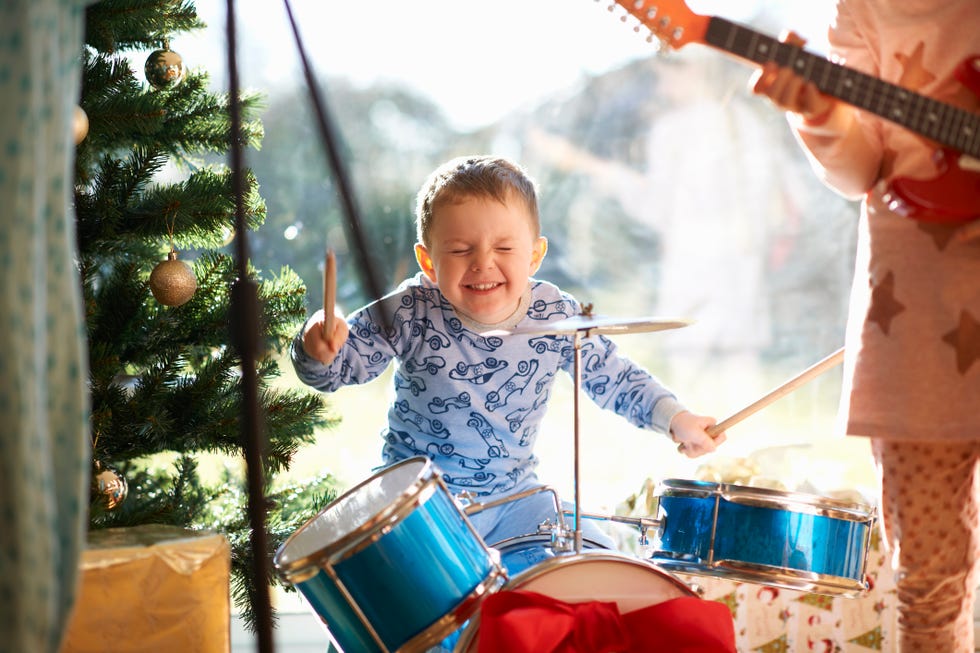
(156, 213)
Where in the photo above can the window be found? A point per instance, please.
(667, 189)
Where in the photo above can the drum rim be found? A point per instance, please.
(466, 609)
(540, 536)
(768, 498)
(610, 555)
(301, 568)
(747, 572)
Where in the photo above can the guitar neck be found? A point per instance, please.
(943, 123)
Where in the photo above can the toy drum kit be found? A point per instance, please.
(394, 564)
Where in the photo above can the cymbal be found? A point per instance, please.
(601, 324)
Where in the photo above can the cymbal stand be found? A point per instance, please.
(577, 382)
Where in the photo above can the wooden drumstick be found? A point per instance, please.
(781, 391)
(329, 292)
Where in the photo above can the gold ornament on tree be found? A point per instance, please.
(164, 68)
(172, 281)
(107, 486)
(79, 124)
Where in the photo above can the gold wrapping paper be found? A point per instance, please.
(152, 588)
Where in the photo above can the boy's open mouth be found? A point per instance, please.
(484, 286)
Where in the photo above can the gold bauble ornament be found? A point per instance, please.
(79, 124)
(108, 486)
(164, 68)
(172, 282)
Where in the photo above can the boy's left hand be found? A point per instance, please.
(690, 432)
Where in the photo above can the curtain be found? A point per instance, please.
(44, 437)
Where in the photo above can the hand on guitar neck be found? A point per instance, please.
(952, 196)
(811, 85)
(791, 92)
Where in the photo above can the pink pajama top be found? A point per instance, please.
(912, 362)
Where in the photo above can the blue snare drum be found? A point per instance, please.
(784, 539)
(393, 564)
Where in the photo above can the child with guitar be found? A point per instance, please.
(912, 368)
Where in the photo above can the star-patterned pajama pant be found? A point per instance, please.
(929, 508)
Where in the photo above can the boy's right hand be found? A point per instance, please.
(690, 431)
(324, 347)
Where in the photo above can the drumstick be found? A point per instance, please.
(781, 391)
(329, 292)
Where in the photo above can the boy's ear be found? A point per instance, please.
(537, 254)
(425, 261)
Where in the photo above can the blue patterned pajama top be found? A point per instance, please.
(470, 400)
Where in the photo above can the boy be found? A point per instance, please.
(473, 402)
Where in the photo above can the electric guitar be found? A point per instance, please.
(951, 197)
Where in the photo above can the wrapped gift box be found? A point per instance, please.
(774, 619)
(152, 588)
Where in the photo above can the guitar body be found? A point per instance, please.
(951, 197)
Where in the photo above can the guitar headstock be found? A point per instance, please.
(670, 21)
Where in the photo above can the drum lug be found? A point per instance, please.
(464, 499)
(697, 589)
(643, 540)
(562, 539)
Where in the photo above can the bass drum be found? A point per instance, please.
(593, 575)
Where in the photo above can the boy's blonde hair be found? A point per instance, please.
(486, 176)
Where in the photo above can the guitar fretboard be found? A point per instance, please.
(938, 121)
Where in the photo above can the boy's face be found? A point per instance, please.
(481, 254)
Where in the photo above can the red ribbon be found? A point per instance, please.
(527, 622)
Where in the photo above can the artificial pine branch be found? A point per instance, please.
(166, 385)
(121, 25)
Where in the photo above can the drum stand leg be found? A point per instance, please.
(577, 383)
(643, 523)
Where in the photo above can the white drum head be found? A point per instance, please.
(352, 510)
(601, 576)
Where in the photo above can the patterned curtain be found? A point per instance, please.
(44, 437)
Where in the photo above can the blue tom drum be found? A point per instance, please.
(393, 564)
(759, 535)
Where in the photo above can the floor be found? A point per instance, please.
(297, 630)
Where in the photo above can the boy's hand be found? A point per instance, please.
(324, 347)
(689, 431)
